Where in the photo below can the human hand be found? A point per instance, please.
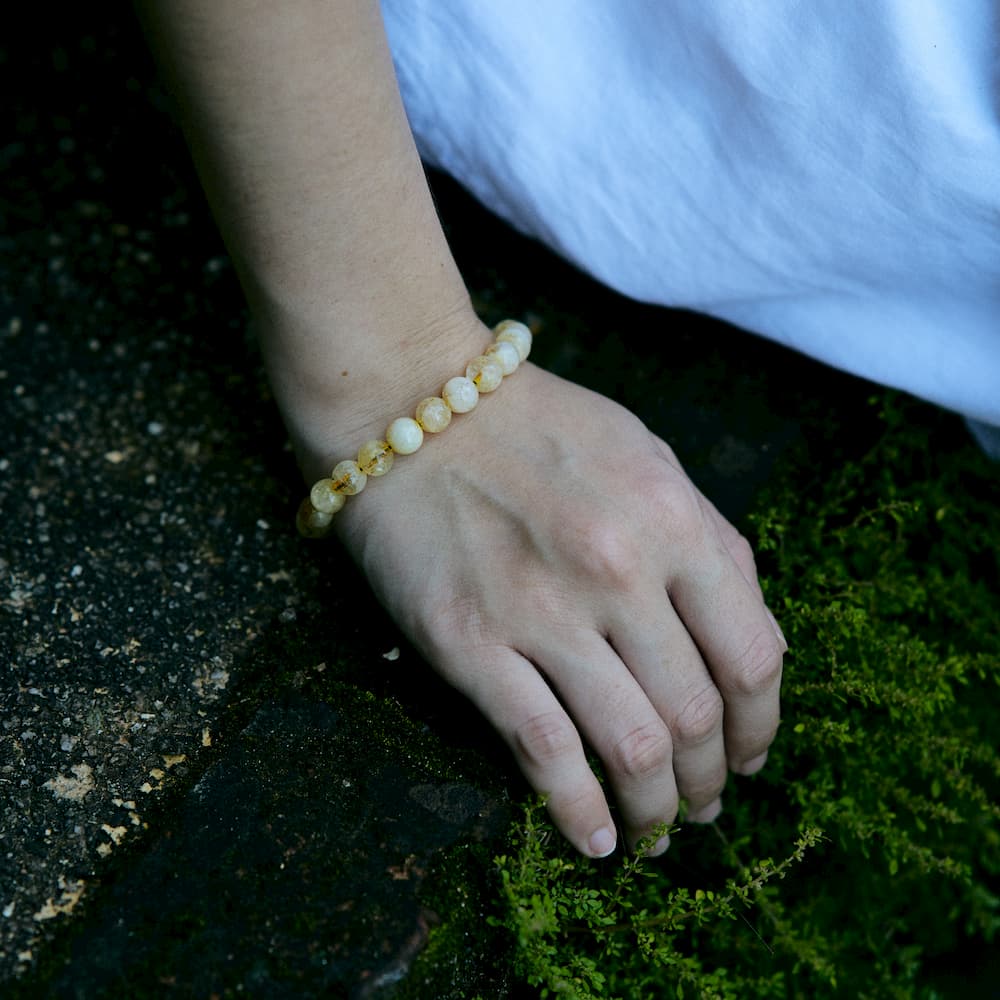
(550, 558)
(547, 555)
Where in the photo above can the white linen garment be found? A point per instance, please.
(825, 174)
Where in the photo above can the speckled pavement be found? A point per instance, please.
(221, 769)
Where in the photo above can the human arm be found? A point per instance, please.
(547, 554)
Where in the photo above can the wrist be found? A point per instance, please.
(405, 433)
(341, 385)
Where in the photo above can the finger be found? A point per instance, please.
(656, 647)
(666, 453)
(731, 626)
(742, 554)
(515, 698)
(735, 544)
(706, 814)
(739, 549)
(620, 723)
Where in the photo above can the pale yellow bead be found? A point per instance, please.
(348, 478)
(506, 353)
(485, 373)
(460, 394)
(375, 458)
(433, 414)
(404, 435)
(515, 333)
(312, 523)
(325, 498)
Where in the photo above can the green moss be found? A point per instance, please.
(865, 858)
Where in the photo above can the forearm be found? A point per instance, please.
(298, 133)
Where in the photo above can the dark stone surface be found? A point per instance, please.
(292, 867)
(155, 600)
(212, 781)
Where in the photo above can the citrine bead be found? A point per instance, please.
(433, 414)
(312, 523)
(404, 435)
(460, 393)
(325, 498)
(375, 458)
(348, 478)
(484, 372)
(515, 333)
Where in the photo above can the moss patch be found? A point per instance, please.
(864, 860)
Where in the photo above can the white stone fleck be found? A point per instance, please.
(73, 789)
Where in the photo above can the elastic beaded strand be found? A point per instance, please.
(404, 435)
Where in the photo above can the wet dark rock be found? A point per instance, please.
(293, 867)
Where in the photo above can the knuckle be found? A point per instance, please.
(608, 552)
(644, 752)
(549, 600)
(451, 618)
(714, 789)
(758, 667)
(700, 718)
(578, 809)
(742, 553)
(706, 790)
(679, 511)
(546, 737)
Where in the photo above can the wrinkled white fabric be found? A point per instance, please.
(825, 174)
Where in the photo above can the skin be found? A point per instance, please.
(547, 553)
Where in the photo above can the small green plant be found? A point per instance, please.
(880, 798)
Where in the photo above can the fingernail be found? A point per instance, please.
(777, 627)
(658, 848)
(603, 842)
(753, 765)
(706, 813)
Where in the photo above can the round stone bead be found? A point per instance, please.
(460, 394)
(348, 478)
(433, 414)
(506, 354)
(515, 333)
(375, 458)
(485, 372)
(324, 498)
(404, 435)
(312, 523)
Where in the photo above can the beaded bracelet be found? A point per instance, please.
(511, 344)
